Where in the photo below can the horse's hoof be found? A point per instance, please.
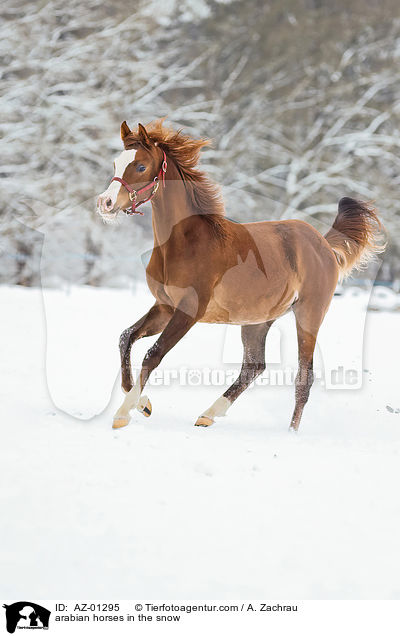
(144, 406)
(203, 420)
(120, 421)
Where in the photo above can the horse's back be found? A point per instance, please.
(295, 246)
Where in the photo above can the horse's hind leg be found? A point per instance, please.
(308, 322)
(253, 338)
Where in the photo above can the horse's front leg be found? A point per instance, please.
(149, 325)
(177, 327)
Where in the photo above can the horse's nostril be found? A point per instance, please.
(109, 203)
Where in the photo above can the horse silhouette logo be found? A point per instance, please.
(26, 615)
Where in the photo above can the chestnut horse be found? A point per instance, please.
(206, 268)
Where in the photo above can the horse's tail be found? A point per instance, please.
(355, 236)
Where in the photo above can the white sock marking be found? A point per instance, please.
(219, 408)
(130, 402)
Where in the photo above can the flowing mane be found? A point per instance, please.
(205, 196)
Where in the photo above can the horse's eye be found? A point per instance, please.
(140, 167)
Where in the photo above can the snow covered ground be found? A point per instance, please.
(162, 509)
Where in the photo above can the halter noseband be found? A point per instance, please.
(133, 194)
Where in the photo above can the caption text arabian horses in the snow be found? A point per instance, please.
(206, 268)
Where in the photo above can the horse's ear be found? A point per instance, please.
(125, 130)
(143, 136)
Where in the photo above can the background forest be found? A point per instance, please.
(301, 99)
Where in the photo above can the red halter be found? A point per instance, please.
(133, 194)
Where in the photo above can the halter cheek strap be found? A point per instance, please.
(153, 185)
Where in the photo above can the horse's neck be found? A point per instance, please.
(170, 206)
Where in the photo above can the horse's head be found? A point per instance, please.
(136, 173)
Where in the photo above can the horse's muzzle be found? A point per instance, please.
(105, 204)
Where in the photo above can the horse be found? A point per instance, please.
(207, 268)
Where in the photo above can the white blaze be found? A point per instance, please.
(120, 164)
